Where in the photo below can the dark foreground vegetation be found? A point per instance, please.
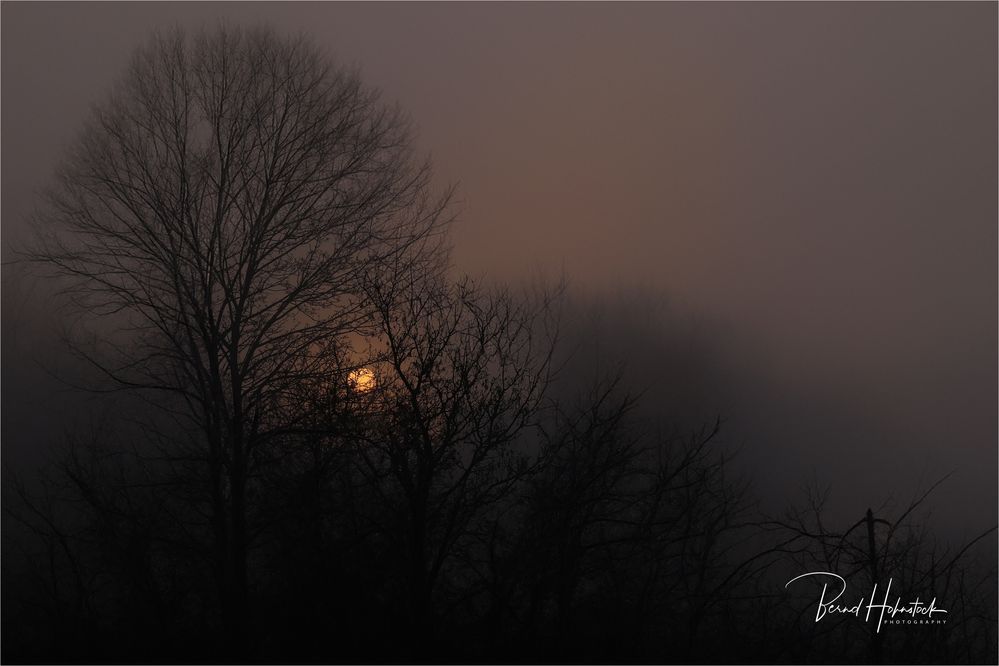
(319, 445)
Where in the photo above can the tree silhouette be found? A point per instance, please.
(461, 372)
(224, 208)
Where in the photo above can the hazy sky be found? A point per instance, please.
(814, 182)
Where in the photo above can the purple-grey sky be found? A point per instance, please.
(816, 181)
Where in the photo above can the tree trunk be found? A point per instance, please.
(421, 620)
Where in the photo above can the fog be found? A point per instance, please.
(783, 214)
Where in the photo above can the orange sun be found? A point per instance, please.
(361, 380)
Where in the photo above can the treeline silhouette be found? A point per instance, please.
(246, 232)
(583, 537)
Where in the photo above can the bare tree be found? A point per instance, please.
(622, 525)
(219, 215)
(460, 374)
